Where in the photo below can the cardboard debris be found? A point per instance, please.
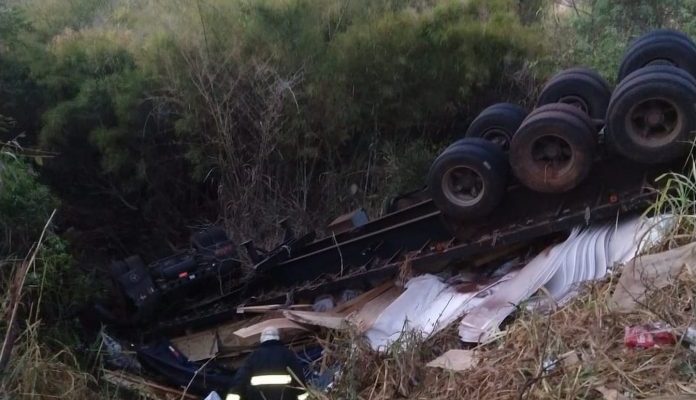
(610, 394)
(216, 341)
(198, 346)
(653, 271)
(455, 360)
(569, 359)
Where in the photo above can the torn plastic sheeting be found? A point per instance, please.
(481, 324)
(584, 259)
(593, 253)
(427, 306)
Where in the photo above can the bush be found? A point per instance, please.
(156, 107)
(25, 204)
(598, 31)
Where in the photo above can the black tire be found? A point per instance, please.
(497, 123)
(580, 87)
(662, 33)
(492, 151)
(208, 237)
(564, 108)
(553, 150)
(651, 115)
(660, 48)
(478, 166)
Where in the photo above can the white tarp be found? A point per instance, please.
(584, 256)
(426, 306)
(596, 251)
(481, 323)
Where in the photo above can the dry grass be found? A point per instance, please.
(38, 366)
(37, 371)
(514, 366)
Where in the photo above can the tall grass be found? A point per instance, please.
(676, 206)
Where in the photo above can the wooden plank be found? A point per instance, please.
(323, 319)
(282, 324)
(269, 308)
(358, 302)
(366, 316)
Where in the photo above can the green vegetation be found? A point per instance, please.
(254, 105)
(596, 33)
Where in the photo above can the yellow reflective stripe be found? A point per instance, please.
(270, 380)
(232, 396)
(303, 396)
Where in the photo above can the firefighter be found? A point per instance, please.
(270, 373)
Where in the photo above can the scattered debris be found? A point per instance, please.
(116, 357)
(213, 396)
(647, 336)
(653, 271)
(282, 324)
(426, 306)
(610, 394)
(323, 319)
(455, 360)
(481, 324)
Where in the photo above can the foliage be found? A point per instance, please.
(676, 207)
(25, 204)
(96, 113)
(596, 32)
(296, 101)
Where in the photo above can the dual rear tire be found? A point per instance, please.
(651, 117)
(553, 150)
(468, 179)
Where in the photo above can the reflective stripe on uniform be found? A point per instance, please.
(303, 396)
(270, 380)
(232, 396)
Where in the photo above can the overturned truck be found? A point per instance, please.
(585, 154)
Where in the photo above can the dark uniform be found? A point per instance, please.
(266, 375)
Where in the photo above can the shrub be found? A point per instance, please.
(597, 32)
(25, 204)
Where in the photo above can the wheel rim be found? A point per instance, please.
(552, 153)
(463, 186)
(576, 101)
(654, 122)
(497, 136)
